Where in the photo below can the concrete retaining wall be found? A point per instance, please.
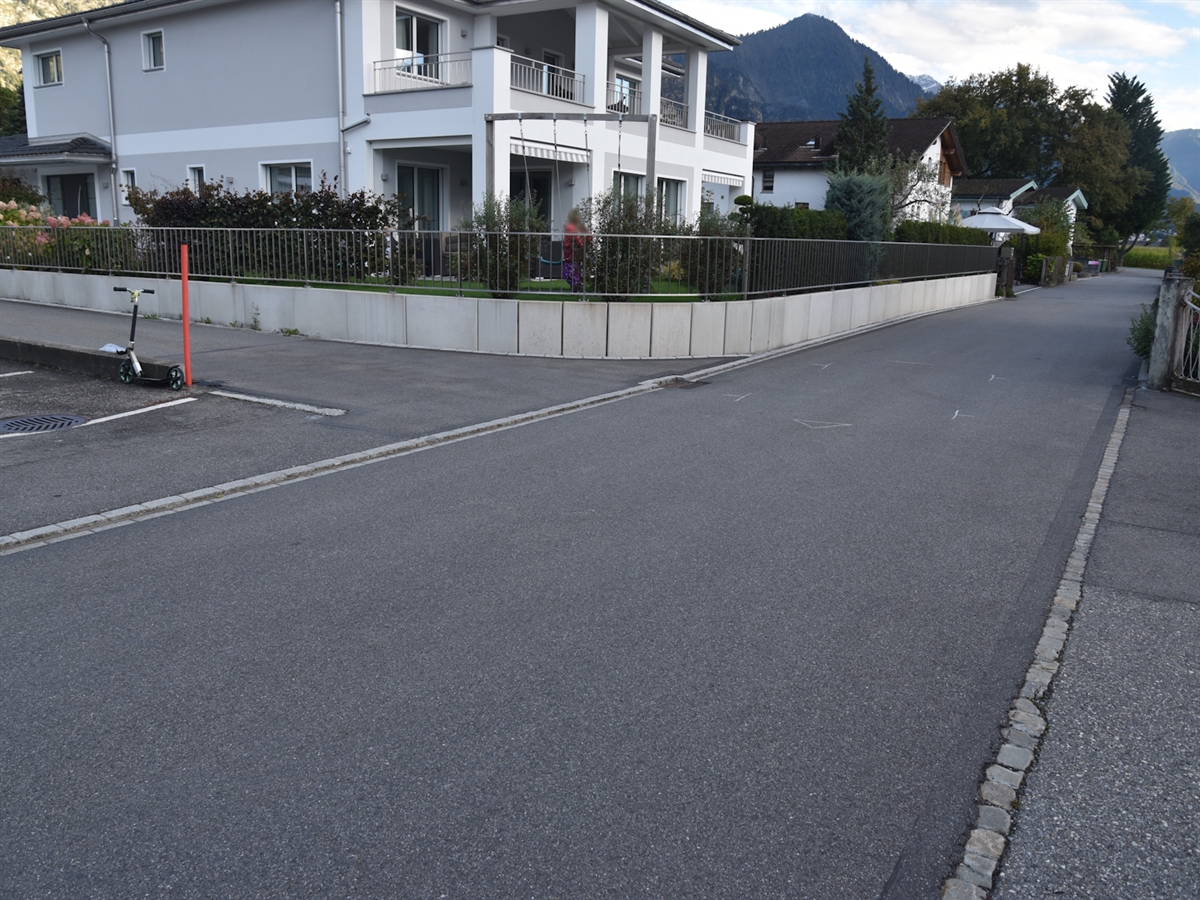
(528, 327)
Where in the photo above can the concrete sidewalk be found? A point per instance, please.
(1110, 808)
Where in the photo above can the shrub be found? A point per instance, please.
(913, 232)
(1141, 331)
(769, 221)
(1032, 269)
(1189, 239)
(1191, 266)
(17, 189)
(504, 242)
(623, 256)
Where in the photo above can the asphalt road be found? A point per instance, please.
(750, 639)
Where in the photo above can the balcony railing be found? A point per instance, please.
(421, 72)
(672, 112)
(543, 78)
(723, 127)
(624, 99)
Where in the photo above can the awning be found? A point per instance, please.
(548, 151)
(722, 178)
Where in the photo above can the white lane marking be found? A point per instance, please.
(268, 401)
(811, 424)
(132, 412)
(736, 398)
(11, 374)
(960, 415)
(905, 362)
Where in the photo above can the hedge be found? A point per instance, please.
(913, 232)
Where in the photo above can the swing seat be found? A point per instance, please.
(550, 260)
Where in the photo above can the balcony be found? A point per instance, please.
(542, 78)
(673, 113)
(421, 72)
(718, 126)
(624, 99)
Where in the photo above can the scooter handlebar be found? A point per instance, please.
(142, 291)
(119, 290)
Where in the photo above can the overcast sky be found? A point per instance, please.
(1076, 42)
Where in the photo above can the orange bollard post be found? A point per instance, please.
(187, 334)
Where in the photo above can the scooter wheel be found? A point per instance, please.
(126, 372)
(175, 378)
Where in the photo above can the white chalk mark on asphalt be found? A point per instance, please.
(821, 365)
(269, 401)
(736, 398)
(960, 415)
(905, 362)
(811, 424)
(10, 374)
(997, 378)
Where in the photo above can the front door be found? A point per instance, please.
(537, 189)
(422, 189)
(71, 195)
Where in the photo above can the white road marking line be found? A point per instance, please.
(905, 362)
(11, 374)
(736, 398)
(812, 424)
(132, 412)
(268, 401)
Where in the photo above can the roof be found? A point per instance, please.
(133, 7)
(16, 149)
(810, 144)
(983, 188)
(1064, 194)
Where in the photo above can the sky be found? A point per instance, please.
(1075, 42)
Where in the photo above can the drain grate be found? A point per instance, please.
(34, 424)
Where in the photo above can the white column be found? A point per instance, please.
(591, 51)
(491, 93)
(652, 51)
(697, 77)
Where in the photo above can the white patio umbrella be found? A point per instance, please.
(991, 219)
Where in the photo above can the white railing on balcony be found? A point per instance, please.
(724, 127)
(421, 72)
(672, 112)
(624, 99)
(543, 78)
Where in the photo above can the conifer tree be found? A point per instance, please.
(1127, 97)
(862, 137)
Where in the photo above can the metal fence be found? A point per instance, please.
(1187, 339)
(503, 264)
(418, 73)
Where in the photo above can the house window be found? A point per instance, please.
(800, 204)
(768, 177)
(195, 178)
(415, 36)
(627, 185)
(152, 51)
(50, 68)
(128, 180)
(286, 177)
(71, 195)
(670, 199)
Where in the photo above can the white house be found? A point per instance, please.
(389, 95)
(973, 194)
(792, 161)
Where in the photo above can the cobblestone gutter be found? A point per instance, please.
(998, 793)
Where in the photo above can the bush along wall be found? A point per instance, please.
(913, 232)
(769, 221)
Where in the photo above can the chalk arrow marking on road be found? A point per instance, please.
(736, 398)
(812, 424)
(960, 415)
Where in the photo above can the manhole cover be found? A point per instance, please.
(32, 424)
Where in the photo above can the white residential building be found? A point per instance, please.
(390, 95)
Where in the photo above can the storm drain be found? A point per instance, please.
(34, 424)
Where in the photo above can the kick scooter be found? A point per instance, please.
(131, 369)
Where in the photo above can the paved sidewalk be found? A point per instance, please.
(1111, 809)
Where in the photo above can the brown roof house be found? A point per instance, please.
(792, 160)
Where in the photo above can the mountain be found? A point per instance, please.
(802, 69)
(14, 12)
(1182, 149)
(927, 84)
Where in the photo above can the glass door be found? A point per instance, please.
(418, 42)
(421, 187)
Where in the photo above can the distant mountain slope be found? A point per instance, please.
(1182, 149)
(802, 69)
(14, 12)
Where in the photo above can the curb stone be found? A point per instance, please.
(975, 875)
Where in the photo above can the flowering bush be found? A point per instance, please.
(47, 238)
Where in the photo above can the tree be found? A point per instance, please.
(862, 136)
(1147, 165)
(863, 200)
(12, 110)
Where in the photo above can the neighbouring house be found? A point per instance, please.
(792, 161)
(1071, 198)
(388, 95)
(973, 194)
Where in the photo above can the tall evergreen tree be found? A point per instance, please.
(1127, 97)
(862, 137)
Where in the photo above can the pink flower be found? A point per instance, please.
(43, 238)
